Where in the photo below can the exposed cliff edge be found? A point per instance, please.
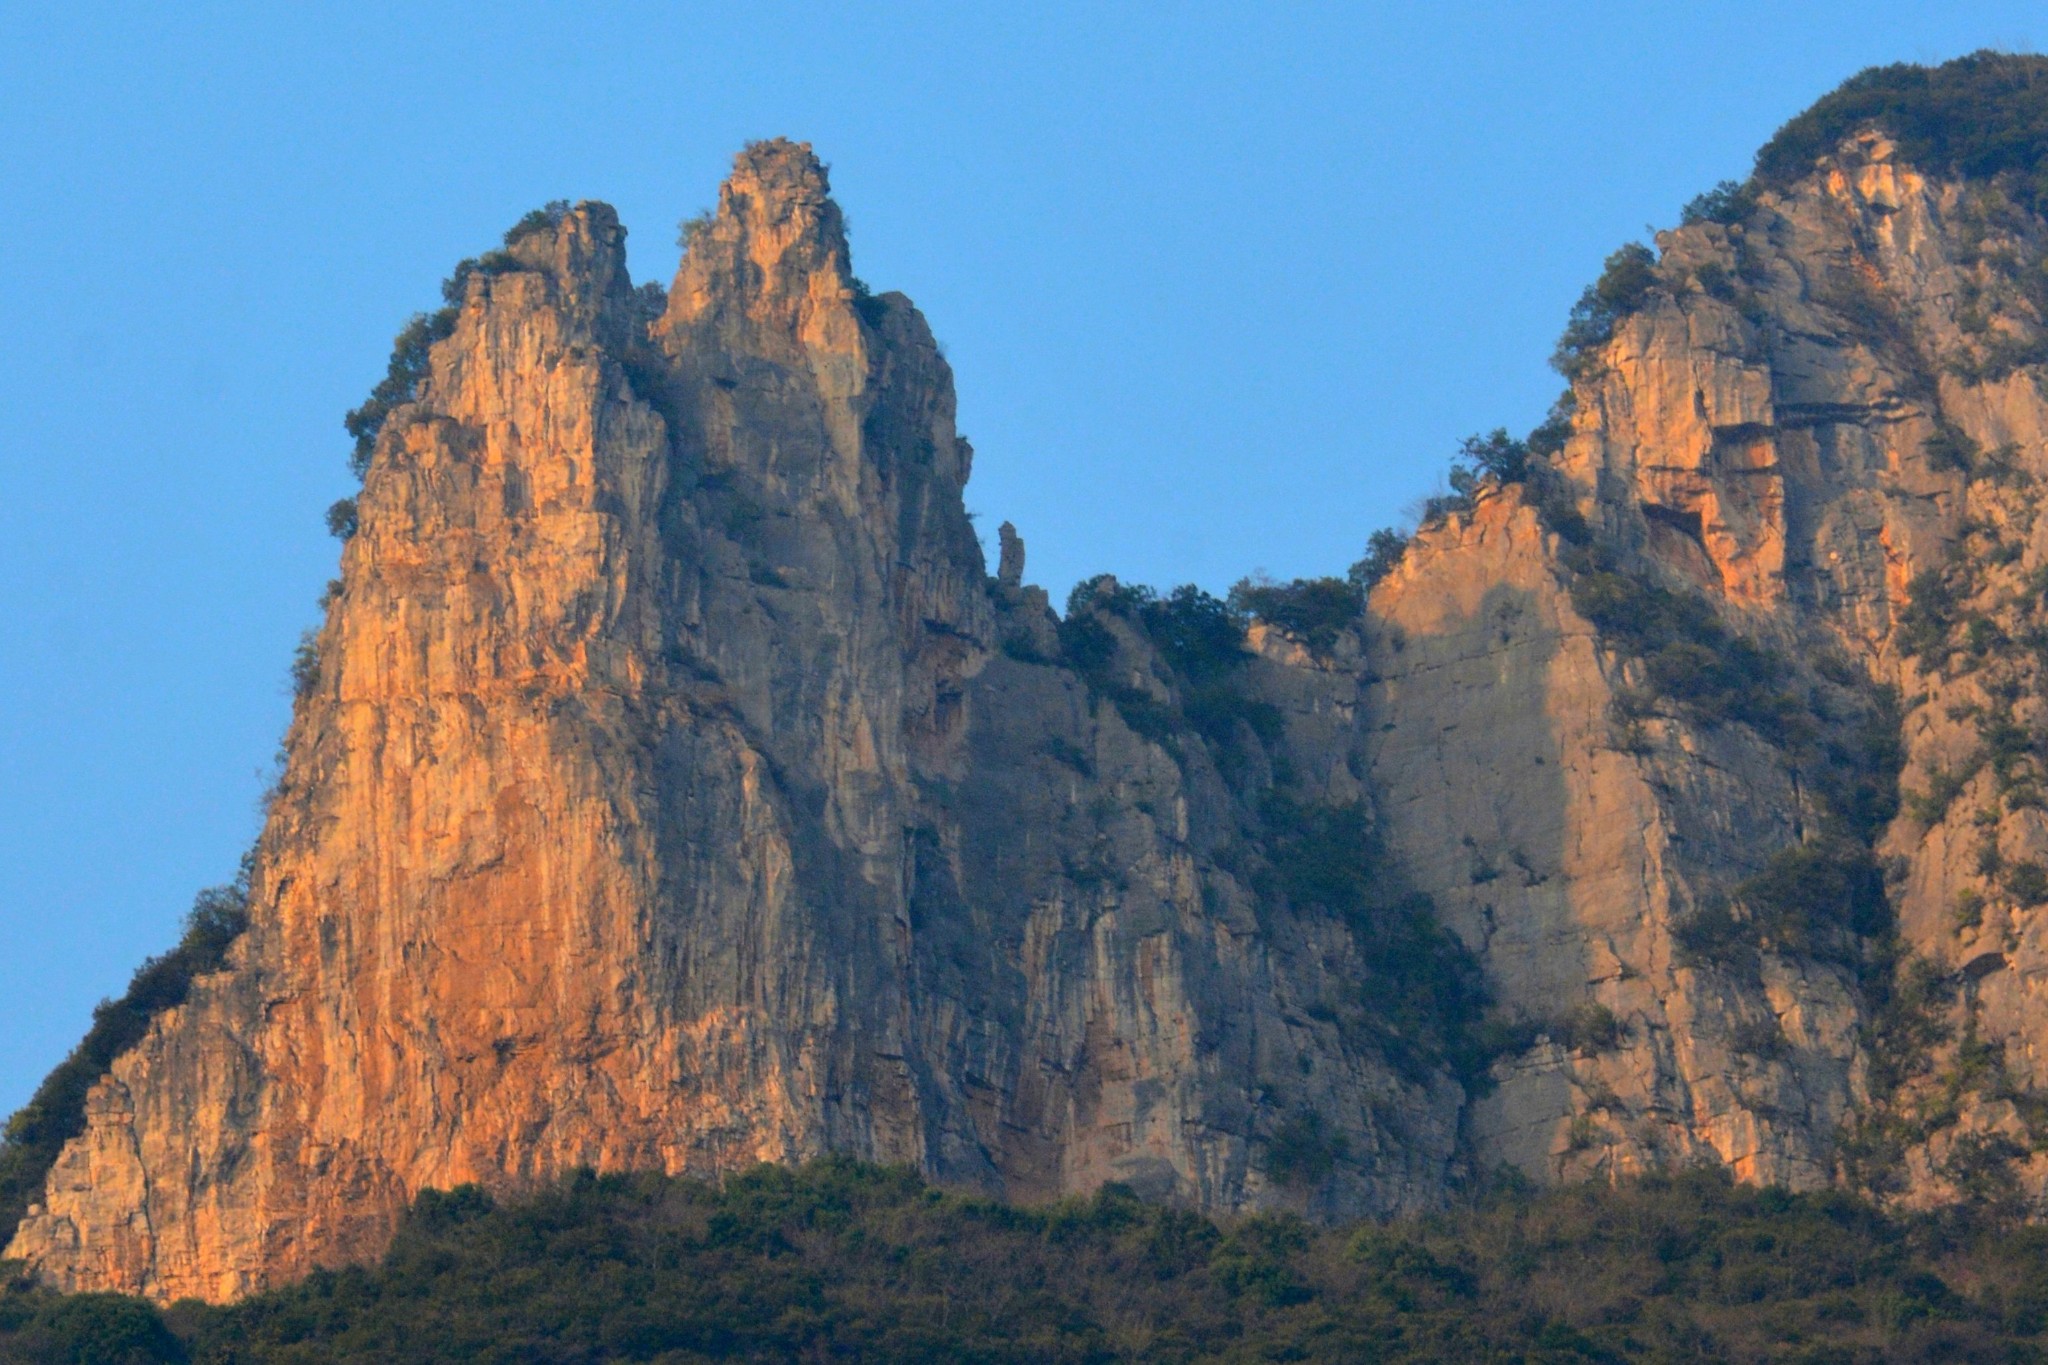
(674, 788)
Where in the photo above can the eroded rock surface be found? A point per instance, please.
(678, 790)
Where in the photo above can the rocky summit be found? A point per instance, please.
(673, 788)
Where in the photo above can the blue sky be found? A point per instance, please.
(1222, 285)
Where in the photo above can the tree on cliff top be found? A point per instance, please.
(1983, 116)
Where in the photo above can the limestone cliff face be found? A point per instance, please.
(1566, 855)
(678, 790)
(665, 800)
(1808, 426)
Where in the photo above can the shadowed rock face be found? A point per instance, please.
(1805, 424)
(678, 790)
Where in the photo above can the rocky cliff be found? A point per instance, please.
(1811, 447)
(675, 789)
(672, 787)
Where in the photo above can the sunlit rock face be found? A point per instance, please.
(678, 790)
(666, 800)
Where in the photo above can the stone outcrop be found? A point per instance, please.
(1799, 427)
(1566, 855)
(678, 790)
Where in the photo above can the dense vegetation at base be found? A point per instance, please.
(37, 1132)
(845, 1261)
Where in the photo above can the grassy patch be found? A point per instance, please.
(1691, 661)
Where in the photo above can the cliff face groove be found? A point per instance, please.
(677, 790)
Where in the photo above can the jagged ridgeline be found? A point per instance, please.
(671, 787)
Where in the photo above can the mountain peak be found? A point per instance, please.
(780, 173)
(772, 253)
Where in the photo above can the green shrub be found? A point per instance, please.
(1104, 592)
(1906, 1003)
(1690, 659)
(1715, 281)
(1550, 435)
(1559, 512)
(1461, 499)
(305, 670)
(1088, 647)
(1313, 610)
(455, 288)
(1304, 1150)
(1625, 283)
(1712, 935)
(1814, 899)
(1950, 448)
(1932, 608)
(1201, 637)
(1495, 458)
(1822, 900)
(547, 218)
(2001, 354)
(412, 349)
(1729, 202)
(691, 229)
(1213, 709)
(1859, 782)
(2008, 746)
(1762, 1038)
(1496, 455)
(1589, 1027)
(408, 366)
(1984, 116)
(1383, 550)
(1982, 636)
(1256, 1263)
(1423, 994)
(1981, 1168)
(650, 300)
(2026, 881)
(1869, 312)
(1943, 787)
(871, 309)
(341, 519)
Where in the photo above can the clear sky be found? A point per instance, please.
(1222, 286)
